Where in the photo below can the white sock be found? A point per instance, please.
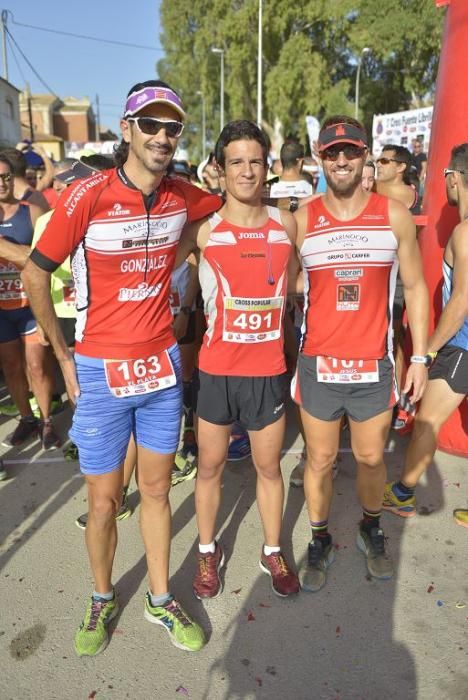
(207, 548)
(270, 550)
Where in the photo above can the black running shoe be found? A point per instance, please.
(26, 428)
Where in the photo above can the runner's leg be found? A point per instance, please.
(367, 442)
(213, 441)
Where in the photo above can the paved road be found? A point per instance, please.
(358, 639)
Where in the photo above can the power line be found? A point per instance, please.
(18, 65)
(88, 38)
(31, 65)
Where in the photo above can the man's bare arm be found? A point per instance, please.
(456, 309)
(17, 254)
(37, 285)
(415, 291)
(187, 242)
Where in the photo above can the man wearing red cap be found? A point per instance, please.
(122, 227)
(350, 243)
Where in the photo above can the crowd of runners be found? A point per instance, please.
(165, 302)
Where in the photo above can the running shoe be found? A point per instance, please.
(189, 445)
(184, 632)
(9, 409)
(184, 469)
(26, 428)
(49, 438)
(123, 513)
(461, 516)
(92, 637)
(297, 475)
(284, 581)
(3, 472)
(239, 448)
(71, 453)
(372, 545)
(207, 582)
(313, 572)
(391, 502)
(403, 421)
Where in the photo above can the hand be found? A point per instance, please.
(38, 149)
(22, 146)
(68, 368)
(180, 325)
(42, 336)
(416, 378)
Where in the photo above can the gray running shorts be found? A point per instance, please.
(330, 401)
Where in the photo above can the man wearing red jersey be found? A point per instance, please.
(245, 249)
(350, 243)
(122, 227)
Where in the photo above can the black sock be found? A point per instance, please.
(320, 532)
(370, 519)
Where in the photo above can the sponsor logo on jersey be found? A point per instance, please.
(278, 408)
(142, 242)
(348, 239)
(141, 227)
(80, 190)
(250, 234)
(322, 221)
(348, 296)
(349, 274)
(118, 211)
(143, 291)
(167, 205)
(253, 255)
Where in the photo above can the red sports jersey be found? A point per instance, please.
(123, 248)
(243, 276)
(350, 270)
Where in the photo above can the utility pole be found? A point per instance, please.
(4, 17)
(98, 120)
(259, 66)
(30, 114)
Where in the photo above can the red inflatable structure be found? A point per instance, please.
(449, 128)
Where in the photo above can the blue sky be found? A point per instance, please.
(78, 67)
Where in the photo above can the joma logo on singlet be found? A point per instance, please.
(248, 234)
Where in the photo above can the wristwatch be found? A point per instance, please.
(425, 360)
(187, 310)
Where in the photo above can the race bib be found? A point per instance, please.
(174, 301)
(143, 376)
(331, 370)
(11, 288)
(252, 320)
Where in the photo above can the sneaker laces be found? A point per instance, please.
(278, 564)
(377, 538)
(97, 607)
(175, 609)
(207, 566)
(315, 552)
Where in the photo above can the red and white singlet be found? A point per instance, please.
(350, 270)
(243, 276)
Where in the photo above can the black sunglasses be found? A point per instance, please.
(349, 151)
(151, 126)
(383, 160)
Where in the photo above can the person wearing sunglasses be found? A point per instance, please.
(447, 350)
(350, 243)
(21, 351)
(122, 227)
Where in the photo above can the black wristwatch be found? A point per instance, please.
(187, 310)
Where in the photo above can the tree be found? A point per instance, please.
(310, 54)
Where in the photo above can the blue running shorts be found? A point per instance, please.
(102, 423)
(16, 324)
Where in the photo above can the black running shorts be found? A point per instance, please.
(451, 364)
(330, 401)
(254, 402)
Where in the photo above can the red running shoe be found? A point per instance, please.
(284, 582)
(207, 583)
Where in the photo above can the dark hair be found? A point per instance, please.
(459, 161)
(4, 159)
(370, 164)
(290, 153)
(402, 155)
(121, 151)
(341, 119)
(240, 130)
(18, 162)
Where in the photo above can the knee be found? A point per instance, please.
(320, 461)
(268, 471)
(155, 490)
(210, 466)
(103, 507)
(369, 459)
(36, 367)
(426, 427)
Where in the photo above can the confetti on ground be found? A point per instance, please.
(338, 631)
(236, 591)
(430, 589)
(440, 603)
(182, 690)
(250, 616)
(457, 484)
(92, 695)
(460, 605)
(259, 681)
(264, 605)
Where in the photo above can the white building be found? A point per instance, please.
(10, 126)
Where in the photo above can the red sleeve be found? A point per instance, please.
(51, 196)
(199, 203)
(69, 222)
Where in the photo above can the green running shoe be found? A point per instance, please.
(184, 632)
(461, 516)
(9, 409)
(184, 469)
(391, 502)
(92, 637)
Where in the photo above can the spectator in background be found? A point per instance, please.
(419, 160)
(394, 177)
(368, 176)
(292, 182)
(22, 190)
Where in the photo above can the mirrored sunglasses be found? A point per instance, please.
(151, 126)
